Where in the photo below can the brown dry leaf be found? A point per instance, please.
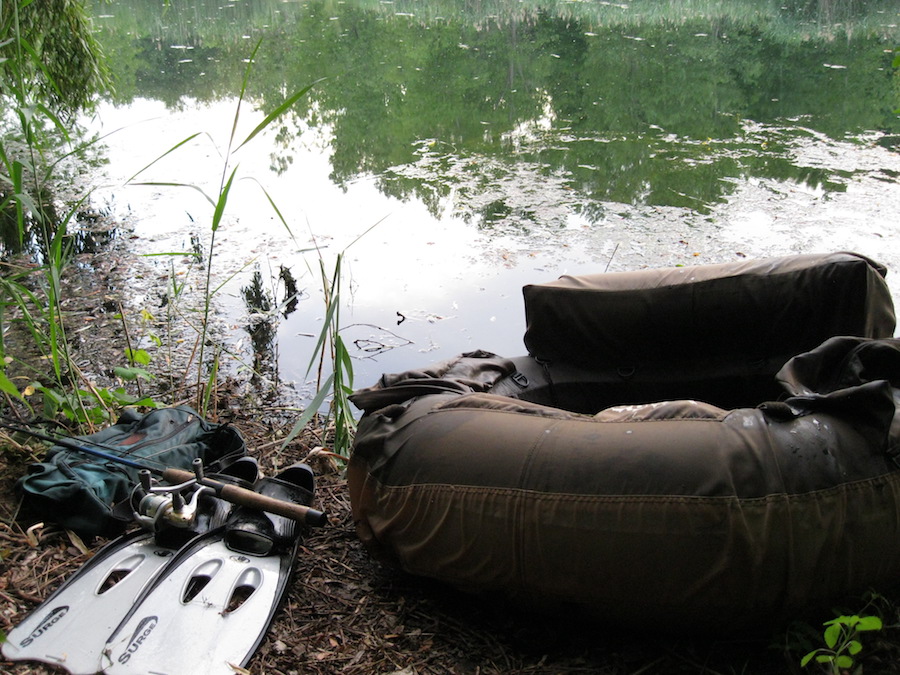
(78, 543)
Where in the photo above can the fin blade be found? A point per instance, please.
(178, 629)
(71, 627)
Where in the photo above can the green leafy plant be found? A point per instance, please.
(219, 202)
(331, 344)
(93, 405)
(330, 349)
(896, 66)
(51, 67)
(842, 643)
(135, 372)
(7, 386)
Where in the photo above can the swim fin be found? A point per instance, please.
(70, 628)
(210, 609)
(67, 629)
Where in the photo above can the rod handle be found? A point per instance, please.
(244, 497)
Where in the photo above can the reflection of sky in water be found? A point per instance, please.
(456, 289)
(457, 286)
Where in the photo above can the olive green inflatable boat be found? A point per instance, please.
(696, 448)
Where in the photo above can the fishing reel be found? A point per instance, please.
(154, 505)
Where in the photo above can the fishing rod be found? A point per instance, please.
(174, 476)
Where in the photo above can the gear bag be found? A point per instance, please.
(79, 491)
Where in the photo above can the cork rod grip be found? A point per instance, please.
(244, 497)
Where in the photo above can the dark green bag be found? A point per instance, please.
(79, 491)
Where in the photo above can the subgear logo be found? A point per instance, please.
(45, 624)
(141, 633)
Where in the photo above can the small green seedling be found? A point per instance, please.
(841, 642)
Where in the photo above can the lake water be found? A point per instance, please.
(457, 151)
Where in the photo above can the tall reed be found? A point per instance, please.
(330, 350)
(219, 203)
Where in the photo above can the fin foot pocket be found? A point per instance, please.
(257, 533)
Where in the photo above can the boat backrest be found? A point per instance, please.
(656, 330)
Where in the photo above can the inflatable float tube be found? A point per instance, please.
(690, 449)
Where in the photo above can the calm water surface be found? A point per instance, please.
(457, 151)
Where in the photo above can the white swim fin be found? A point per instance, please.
(210, 610)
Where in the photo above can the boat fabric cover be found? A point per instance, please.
(671, 512)
(754, 312)
(673, 515)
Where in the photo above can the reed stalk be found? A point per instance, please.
(219, 204)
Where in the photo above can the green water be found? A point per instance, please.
(507, 142)
(637, 103)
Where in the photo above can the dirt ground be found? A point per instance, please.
(345, 613)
